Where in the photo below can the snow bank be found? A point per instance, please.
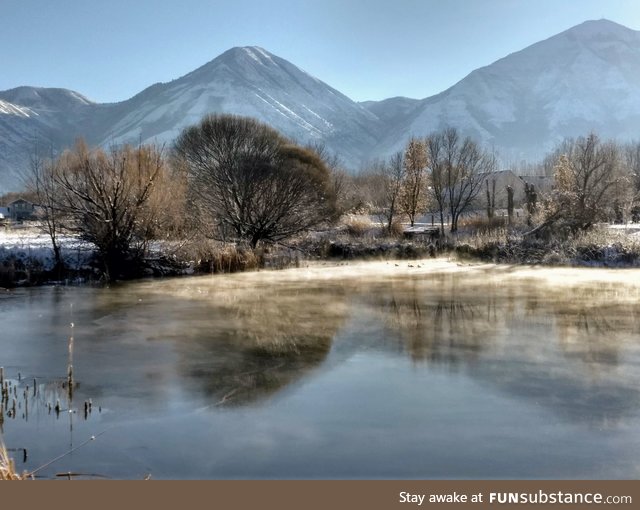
(33, 248)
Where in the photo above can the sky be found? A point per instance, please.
(367, 49)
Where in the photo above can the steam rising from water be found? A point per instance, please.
(331, 370)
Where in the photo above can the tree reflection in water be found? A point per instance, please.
(242, 346)
(560, 346)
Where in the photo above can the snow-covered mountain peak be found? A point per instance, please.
(259, 55)
(247, 55)
(247, 81)
(255, 65)
(41, 97)
(600, 28)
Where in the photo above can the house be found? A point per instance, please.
(21, 209)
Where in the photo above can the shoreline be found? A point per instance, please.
(26, 258)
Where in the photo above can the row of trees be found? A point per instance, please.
(228, 178)
(589, 180)
(443, 172)
(234, 179)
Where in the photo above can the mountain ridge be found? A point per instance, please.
(584, 78)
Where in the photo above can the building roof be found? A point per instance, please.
(19, 201)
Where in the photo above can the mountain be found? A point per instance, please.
(586, 78)
(393, 110)
(37, 119)
(253, 82)
(246, 81)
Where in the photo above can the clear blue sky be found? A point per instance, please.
(368, 49)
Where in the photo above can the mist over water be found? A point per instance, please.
(427, 369)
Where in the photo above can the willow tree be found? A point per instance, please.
(108, 198)
(247, 182)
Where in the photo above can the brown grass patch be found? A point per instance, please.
(8, 467)
(357, 226)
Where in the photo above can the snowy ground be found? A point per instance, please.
(32, 246)
(632, 229)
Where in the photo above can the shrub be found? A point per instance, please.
(357, 226)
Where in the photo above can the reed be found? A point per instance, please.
(357, 226)
(8, 467)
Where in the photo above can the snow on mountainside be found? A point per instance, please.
(253, 82)
(36, 119)
(17, 125)
(586, 78)
(246, 81)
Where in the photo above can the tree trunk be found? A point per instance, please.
(57, 257)
(454, 223)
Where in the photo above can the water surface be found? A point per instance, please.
(392, 370)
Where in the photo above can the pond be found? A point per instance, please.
(423, 369)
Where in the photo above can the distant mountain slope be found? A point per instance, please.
(392, 110)
(17, 126)
(40, 119)
(586, 78)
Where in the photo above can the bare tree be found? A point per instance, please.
(458, 168)
(510, 204)
(246, 181)
(340, 181)
(586, 175)
(632, 162)
(632, 167)
(412, 196)
(394, 173)
(439, 162)
(368, 189)
(105, 198)
(41, 182)
(531, 200)
(491, 198)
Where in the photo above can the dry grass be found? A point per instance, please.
(482, 224)
(230, 259)
(598, 246)
(8, 467)
(217, 257)
(357, 226)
